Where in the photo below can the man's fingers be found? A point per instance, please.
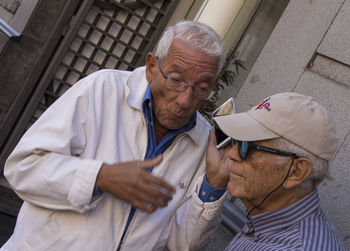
(153, 197)
(212, 139)
(149, 178)
(154, 190)
(144, 206)
(161, 184)
(130, 182)
(149, 163)
(212, 152)
(148, 198)
(158, 192)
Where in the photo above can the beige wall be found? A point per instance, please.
(219, 14)
(228, 18)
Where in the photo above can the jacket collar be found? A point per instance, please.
(136, 86)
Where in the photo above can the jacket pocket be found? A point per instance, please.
(43, 238)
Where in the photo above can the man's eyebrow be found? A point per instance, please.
(176, 68)
(182, 71)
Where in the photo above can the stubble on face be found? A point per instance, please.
(253, 179)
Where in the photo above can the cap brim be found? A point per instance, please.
(241, 126)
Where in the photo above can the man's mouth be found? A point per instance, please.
(179, 115)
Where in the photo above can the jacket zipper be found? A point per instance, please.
(145, 121)
(166, 151)
(127, 231)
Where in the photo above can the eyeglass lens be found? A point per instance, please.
(180, 85)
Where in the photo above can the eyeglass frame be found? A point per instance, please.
(250, 145)
(186, 84)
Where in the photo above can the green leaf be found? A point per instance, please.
(226, 78)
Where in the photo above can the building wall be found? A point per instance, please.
(219, 14)
(309, 52)
(22, 60)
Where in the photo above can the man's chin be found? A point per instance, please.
(174, 125)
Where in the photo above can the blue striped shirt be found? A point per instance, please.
(300, 226)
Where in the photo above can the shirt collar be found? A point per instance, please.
(282, 218)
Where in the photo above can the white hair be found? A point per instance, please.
(320, 167)
(197, 35)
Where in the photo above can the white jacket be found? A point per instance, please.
(55, 165)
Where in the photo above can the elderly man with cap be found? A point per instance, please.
(278, 154)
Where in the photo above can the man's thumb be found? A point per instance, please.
(152, 162)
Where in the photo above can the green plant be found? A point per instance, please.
(225, 78)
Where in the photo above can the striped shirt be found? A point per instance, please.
(300, 226)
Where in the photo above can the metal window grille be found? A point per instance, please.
(112, 34)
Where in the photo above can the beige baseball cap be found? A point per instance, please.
(292, 116)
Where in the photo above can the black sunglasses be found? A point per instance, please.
(245, 146)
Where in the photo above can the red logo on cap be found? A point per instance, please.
(264, 104)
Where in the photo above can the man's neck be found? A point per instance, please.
(159, 130)
(275, 201)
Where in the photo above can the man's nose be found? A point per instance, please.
(185, 98)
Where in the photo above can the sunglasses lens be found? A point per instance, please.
(233, 142)
(243, 149)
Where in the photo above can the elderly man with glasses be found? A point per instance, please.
(278, 154)
(118, 162)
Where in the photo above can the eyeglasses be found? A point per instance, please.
(179, 85)
(244, 146)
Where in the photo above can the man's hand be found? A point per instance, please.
(218, 165)
(130, 182)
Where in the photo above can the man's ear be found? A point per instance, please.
(300, 171)
(151, 66)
